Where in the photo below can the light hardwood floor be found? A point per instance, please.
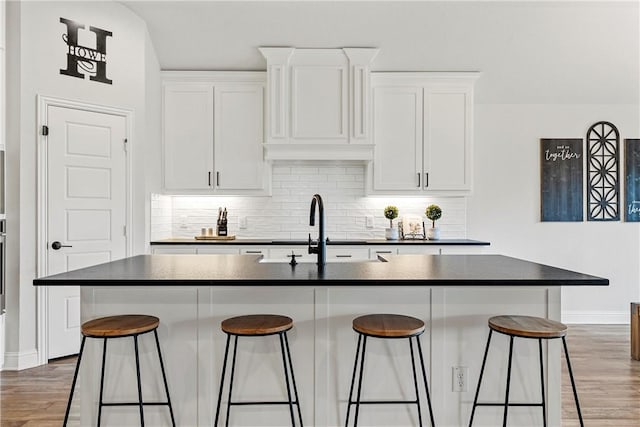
(608, 384)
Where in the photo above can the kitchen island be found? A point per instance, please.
(192, 294)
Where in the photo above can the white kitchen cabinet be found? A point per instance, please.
(177, 249)
(188, 136)
(423, 124)
(376, 251)
(213, 133)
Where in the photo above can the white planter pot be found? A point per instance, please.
(433, 233)
(391, 233)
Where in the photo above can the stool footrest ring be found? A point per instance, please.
(510, 404)
(135, 403)
(385, 402)
(263, 403)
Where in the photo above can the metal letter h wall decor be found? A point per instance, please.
(603, 173)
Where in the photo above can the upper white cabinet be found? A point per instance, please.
(213, 133)
(318, 103)
(423, 125)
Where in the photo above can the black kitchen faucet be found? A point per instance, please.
(321, 246)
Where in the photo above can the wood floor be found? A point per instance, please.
(608, 384)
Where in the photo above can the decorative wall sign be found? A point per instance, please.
(632, 176)
(603, 173)
(561, 179)
(89, 60)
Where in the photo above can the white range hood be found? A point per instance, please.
(318, 104)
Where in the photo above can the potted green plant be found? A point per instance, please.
(434, 213)
(391, 213)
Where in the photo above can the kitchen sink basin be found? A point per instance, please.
(313, 260)
(329, 242)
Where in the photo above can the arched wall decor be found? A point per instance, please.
(603, 172)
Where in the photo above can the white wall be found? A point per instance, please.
(505, 206)
(38, 53)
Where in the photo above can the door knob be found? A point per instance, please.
(57, 245)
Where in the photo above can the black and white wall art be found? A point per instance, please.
(603, 172)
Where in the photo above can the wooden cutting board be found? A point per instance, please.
(215, 237)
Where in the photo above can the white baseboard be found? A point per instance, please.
(17, 361)
(596, 318)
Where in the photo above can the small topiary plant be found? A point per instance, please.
(391, 213)
(434, 213)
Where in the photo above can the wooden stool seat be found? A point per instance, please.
(528, 326)
(257, 324)
(119, 326)
(388, 325)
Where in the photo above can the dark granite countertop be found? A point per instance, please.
(241, 270)
(284, 242)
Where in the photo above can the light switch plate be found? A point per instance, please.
(242, 222)
(369, 221)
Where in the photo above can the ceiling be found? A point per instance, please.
(573, 52)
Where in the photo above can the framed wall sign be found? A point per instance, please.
(632, 180)
(561, 185)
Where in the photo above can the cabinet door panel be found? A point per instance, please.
(188, 136)
(446, 154)
(239, 135)
(398, 138)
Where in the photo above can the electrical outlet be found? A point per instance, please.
(242, 222)
(369, 221)
(460, 375)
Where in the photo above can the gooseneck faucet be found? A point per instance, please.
(321, 246)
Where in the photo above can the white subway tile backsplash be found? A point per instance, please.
(285, 215)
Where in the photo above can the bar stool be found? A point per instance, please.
(388, 326)
(531, 328)
(131, 325)
(259, 325)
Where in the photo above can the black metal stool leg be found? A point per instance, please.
(506, 397)
(164, 378)
(73, 383)
(224, 370)
(484, 362)
(544, 407)
(415, 381)
(353, 379)
(286, 379)
(364, 349)
(293, 378)
(233, 370)
(573, 384)
(426, 385)
(104, 360)
(135, 342)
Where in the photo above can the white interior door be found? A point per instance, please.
(86, 208)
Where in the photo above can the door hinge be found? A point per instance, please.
(125, 144)
(45, 130)
(124, 230)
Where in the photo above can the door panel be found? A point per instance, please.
(238, 137)
(188, 136)
(398, 138)
(446, 155)
(86, 208)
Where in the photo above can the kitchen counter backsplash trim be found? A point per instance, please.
(285, 215)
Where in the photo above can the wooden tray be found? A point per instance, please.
(215, 237)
